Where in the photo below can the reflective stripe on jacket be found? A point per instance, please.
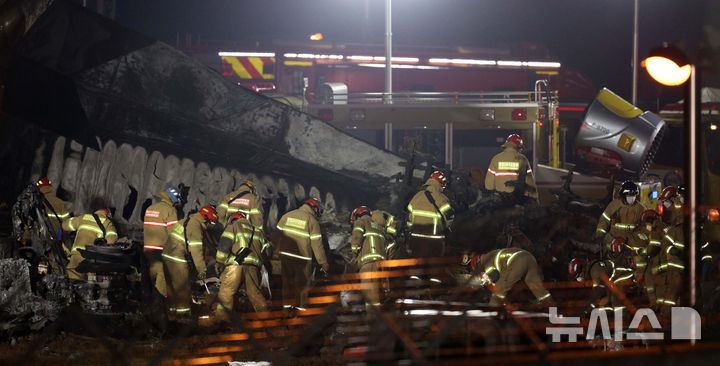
(175, 248)
(423, 213)
(237, 235)
(368, 240)
(505, 167)
(303, 228)
(160, 218)
(619, 219)
(88, 230)
(248, 203)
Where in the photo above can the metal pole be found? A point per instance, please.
(635, 53)
(388, 71)
(449, 144)
(388, 49)
(694, 187)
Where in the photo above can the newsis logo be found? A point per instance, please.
(684, 325)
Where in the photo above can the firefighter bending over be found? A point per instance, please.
(368, 245)
(160, 218)
(55, 208)
(508, 166)
(299, 241)
(243, 199)
(92, 229)
(241, 250)
(430, 217)
(503, 268)
(584, 270)
(182, 253)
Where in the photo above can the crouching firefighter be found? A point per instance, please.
(92, 229)
(583, 270)
(241, 250)
(501, 269)
(183, 258)
(368, 245)
(160, 218)
(299, 241)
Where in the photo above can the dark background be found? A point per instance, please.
(593, 36)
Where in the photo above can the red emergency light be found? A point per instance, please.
(519, 114)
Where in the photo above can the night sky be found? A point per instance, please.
(594, 36)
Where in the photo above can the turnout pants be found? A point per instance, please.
(156, 270)
(524, 267)
(371, 286)
(232, 277)
(668, 287)
(178, 286)
(423, 243)
(296, 280)
(72, 273)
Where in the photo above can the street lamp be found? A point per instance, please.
(670, 66)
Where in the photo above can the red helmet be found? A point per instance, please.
(359, 212)
(238, 215)
(316, 205)
(648, 216)
(668, 193)
(575, 266)
(516, 140)
(209, 213)
(439, 177)
(617, 245)
(105, 211)
(43, 182)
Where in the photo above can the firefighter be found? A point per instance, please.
(503, 268)
(160, 218)
(92, 229)
(55, 208)
(299, 242)
(667, 266)
(644, 242)
(368, 245)
(241, 250)
(243, 199)
(506, 167)
(430, 217)
(390, 229)
(584, 270)
(621, 216)
(182, 253)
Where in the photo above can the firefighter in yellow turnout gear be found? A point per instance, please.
(645, 243)
(243, 199)
(368, 244)
(503, 268)
(241, 250)
(298, 243)
(582, 270)
(506, 167)
(89, 228)
(184, 249)
(390, 228)
(667, 265)
(621, 216)
(430, 217)
(160, 218)
(55, 208)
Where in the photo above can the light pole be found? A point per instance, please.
(388, 70)
(636, 20)
(670, 66)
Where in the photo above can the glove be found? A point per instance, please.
(323, 272)
(617, 245)
(202, 275)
